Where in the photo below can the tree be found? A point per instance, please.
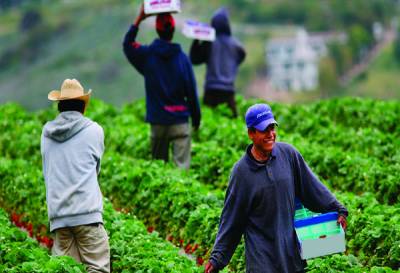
(396, 47)
(328, 79)
(342, 56)
(359, 41)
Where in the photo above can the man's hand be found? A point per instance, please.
(209, 268)
(342, 221)
(141, 16)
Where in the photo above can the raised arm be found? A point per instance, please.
(134, 51)
(199, 51)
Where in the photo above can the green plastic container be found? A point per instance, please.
(304, 213)
(318, 231)
(319, 234)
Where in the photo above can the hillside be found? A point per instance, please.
(83, 39)
(381, 80)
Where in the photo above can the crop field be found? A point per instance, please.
(162, 219)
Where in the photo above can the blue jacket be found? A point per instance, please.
(223, 56)
(260, 203)
(171, 93)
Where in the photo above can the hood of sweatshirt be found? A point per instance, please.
(66, 125)
(220, 21)
(165, 49)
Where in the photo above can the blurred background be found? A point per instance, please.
(297, 51)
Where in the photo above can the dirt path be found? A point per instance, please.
(359, 68)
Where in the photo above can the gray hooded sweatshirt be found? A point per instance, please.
(223, 56)
(72, 146)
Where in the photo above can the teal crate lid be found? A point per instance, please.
(304, 213)
(326, 217)
(320, 230)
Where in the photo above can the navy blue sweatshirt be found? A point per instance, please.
(260, 203)
(171, 92)
(223, 56)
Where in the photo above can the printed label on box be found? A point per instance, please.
(160, 6)
(198, 30)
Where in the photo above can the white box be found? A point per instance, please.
(312, 248)
(161, 6)
(320, 235)
(198, 30)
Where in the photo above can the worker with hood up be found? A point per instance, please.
(223, 57)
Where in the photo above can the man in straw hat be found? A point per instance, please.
(171, 93)
(72, 146)
(260, 201)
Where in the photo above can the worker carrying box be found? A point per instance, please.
(318, 234)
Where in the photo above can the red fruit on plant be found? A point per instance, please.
(200, 261)
(29, 227)
(170, 238)
(50, 243)
(188, 248)
(47, 241)
(15, 218)
(195, 247)
(181, 242)
(150, 229)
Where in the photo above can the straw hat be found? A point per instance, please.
(70, 89)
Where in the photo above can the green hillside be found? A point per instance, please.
(381, 80)
(85, 43)
(83, 39)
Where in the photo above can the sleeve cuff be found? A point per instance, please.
(214, 263)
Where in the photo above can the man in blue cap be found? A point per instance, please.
(260, 201)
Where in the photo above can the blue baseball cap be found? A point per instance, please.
(259, 116)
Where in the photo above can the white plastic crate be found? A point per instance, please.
(197, 30)
(161, 6)
(320, 235)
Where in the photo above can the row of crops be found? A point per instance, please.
(352, 144)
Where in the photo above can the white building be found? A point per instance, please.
(293, 62)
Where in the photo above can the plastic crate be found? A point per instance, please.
(303, 213)
(320, 235)
(161, 6)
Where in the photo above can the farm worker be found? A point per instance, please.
(260, 201)
(171, 92)
(222, 56)
(72, 146)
